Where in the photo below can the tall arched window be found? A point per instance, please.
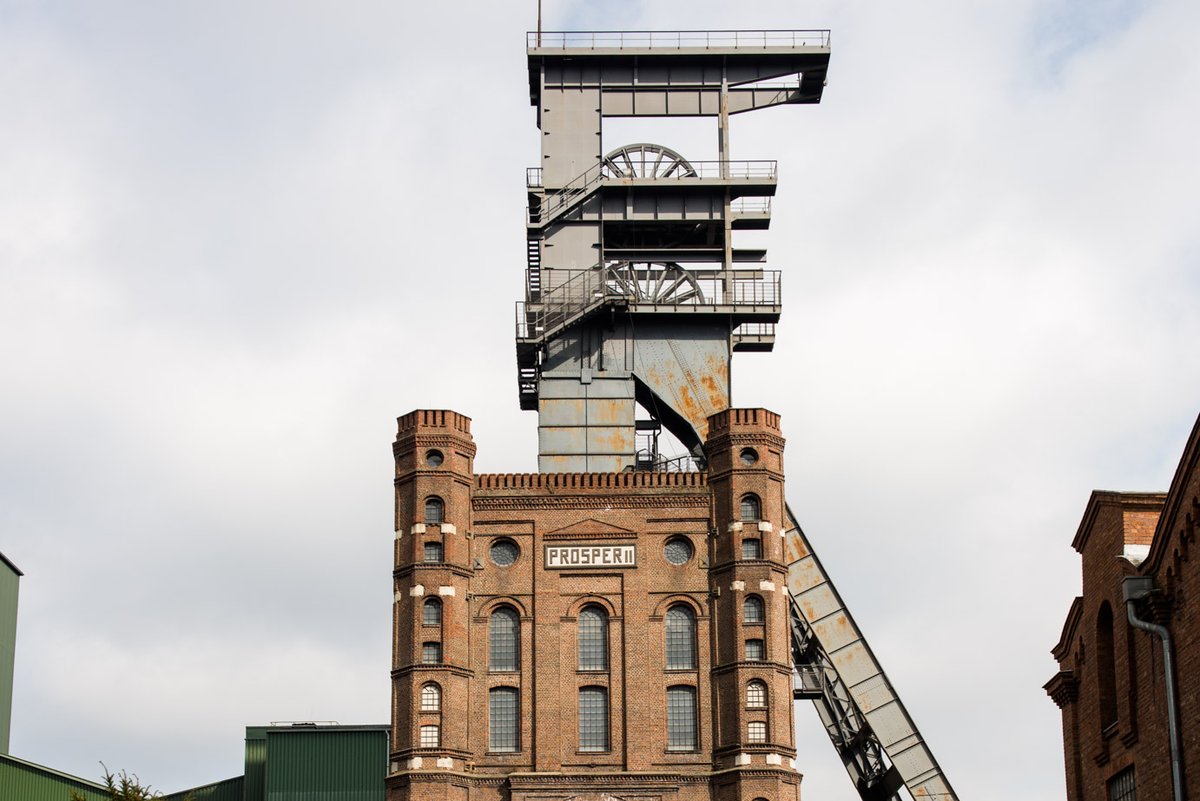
(431, 698)
(750, 509)
(593, 719)
(752, 609)
(503, 629)
(681, 638)
(681, 719)
(503, 733)
(1106, 668)
(431, 612)
(756, 694)
(593, 638)
(435, 511)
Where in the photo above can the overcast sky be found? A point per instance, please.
(237, 239)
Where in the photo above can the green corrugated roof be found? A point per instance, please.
(28, 781)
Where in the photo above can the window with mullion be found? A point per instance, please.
(503, 631)
(681, 638)
(681, 719)
(593, 719)
(593, 639)
(503, 733)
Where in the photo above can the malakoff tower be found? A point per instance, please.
(620, 626)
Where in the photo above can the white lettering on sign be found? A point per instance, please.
(564, 556)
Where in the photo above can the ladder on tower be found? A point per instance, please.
(876, 739)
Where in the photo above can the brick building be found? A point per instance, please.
(567, 635)
(1112, 684)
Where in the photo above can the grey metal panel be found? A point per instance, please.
(834, 628)
(570, 134)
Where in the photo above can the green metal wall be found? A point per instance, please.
(326, 765)
(25, 781)
(228, 790)
(9, 580)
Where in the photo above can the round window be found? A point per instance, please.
(504, 552)
(748, 456)
(434, 458)
(678, 551)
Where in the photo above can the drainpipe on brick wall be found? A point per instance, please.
(1135, 588)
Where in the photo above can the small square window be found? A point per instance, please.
(755, 651)
(752, 548)
(756, 732)
(433, 552)
(431, 736)
(431, 653)
(1123, 787)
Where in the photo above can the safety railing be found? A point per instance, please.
(750, 205)
(676, 40)
(587, 290)
(580, 187)
(646, 461)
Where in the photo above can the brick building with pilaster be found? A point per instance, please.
(591, 635)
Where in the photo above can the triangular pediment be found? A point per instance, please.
(590, 528)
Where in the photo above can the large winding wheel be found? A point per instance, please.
(646, 160)
(666, 283)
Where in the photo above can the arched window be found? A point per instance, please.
(756, 694)
(435, 511)
(681, 638)
(431, 653)
(752, 548)
(752, 609)
(503, 733)
(756, 732)
(431, 736)
(593, 719)
(431, 698)
(681, 718)
(750, 509)
(503, 629)
(431, 612)
(1106, 669)
(755, 652)
(433, 552)
(593, 638)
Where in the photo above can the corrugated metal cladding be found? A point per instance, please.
(228, 790)
(256, 762)
(314, 765)
(25, 781)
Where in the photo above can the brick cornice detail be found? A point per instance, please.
(482, 503)
(1063, 689)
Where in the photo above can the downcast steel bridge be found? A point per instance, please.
(636, 296)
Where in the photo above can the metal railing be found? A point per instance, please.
(587, 290)
(750, 205)
(676, 40)
(580, 187)
(649, 462)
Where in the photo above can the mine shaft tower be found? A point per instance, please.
(636, 295)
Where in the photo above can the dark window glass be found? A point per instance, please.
(756, 694)
(504, 552)
(433, 552)
(434, 511)
(593, 639)
(593, 719)
(434, 458)
(1122, 787)
(431, 612)
(502, 639)
(431, 653)
(755, 651)
(503, 703)
(681, 638)
(678, 551)
(750, 509)
(752, 609)
(681, 719)
(752, 548)
(1106, 669)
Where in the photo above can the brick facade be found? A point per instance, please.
(725, 580)
(1111, 684)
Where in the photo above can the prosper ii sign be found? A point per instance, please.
(562, 556)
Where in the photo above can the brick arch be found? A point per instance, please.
(575, 608)
(505, 600)
(660, 609)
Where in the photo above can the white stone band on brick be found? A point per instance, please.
(415, 763)
(445, 590)
(399, 533)
(774, 759)
(735, 526)
(416, 591)
(445, 762)
(765, 525)
(741, 759)
(449, 528)
(766, 586)
(418, 528)
(398, 596)
(738, 585)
